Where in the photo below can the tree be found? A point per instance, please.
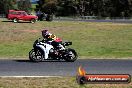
(46, 6)
(6, 5)
(67, 7)
(49, 7)
(101, 8)
(24, 5)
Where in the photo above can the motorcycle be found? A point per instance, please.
(43, 51)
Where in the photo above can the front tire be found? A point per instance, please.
(35, 56)
(33, 21)
(15, 20)
(71, 55)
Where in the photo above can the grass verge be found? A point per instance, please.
(53, 82)
(90, 40)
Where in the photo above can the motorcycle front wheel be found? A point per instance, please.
(35, 56)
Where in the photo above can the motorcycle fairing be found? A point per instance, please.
(45, 48)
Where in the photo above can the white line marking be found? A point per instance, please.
(30, 76)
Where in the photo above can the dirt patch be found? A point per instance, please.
(30, 31)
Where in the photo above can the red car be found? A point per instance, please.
(17, 15)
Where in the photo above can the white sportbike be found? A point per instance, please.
(43, 51)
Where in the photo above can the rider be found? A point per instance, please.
(52, 39)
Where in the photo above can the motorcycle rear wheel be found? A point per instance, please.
(35, 56)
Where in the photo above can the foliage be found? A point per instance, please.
(101, 8)
(24, 5)
(6, 5)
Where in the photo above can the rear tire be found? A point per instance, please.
(15, 20)
(36, 56)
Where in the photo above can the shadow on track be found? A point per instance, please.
(7, 21)
(28, 61)
(17, 22)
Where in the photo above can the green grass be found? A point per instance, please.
(91, 40)
(53, 82)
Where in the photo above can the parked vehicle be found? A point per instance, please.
(44, 17)
(17, 15)
(42, 51)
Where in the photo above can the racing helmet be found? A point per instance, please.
(45, 33)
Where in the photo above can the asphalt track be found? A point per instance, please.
(56, 68)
